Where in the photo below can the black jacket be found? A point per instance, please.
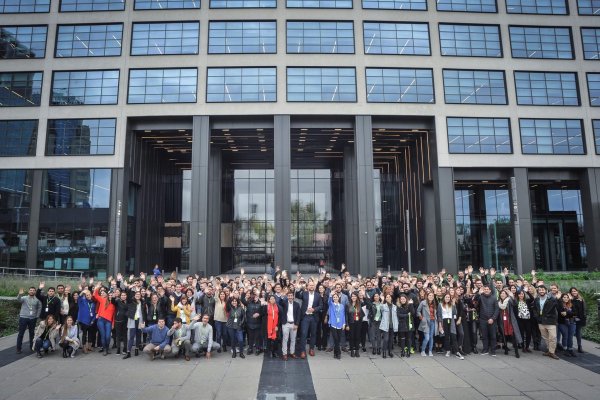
(406, 313)
(549, 314)
(254, 307)
(317, 303)
(153, 313)
(296, 312)
(121, 310)
(579, 312)
(50, 305)
(352, 315)
(132, 306)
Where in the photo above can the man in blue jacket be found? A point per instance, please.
(159, 340)
(309, 314)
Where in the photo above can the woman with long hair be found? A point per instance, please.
(235, 326)
(579, 313)
(336, 318)
(406, 323)
(388, 325)
(354, 316)
(323, 326)
(566, 323)
(221, 319)
(86, 317)
(374, 307)
(427, 314)
(106, 316)
(273, 314)
(69, 338)
(507, 322)
(136, 315)
(45, 335)
(525, 317)
(446, 318)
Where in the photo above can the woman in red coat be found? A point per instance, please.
(272, 315)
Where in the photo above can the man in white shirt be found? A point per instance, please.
(289, 326)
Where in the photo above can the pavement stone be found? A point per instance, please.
(576, 389)
(488, 384)
(413, 387)
(372, 385)
(334, 389)
(462, 394)
(548, 395)
(440, 377)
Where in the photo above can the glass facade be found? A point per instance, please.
(470, 40)
(479, 135)
(399, 85)
(320, 37)
(163, 38)
(74, 137)
(165, 4)
(546, 88)
(241, 85)
(593, 82)
(474, 87)
(477, 6)
(556, 7)
(395, 4)
(84, 87)
(321, 84)
(319, 3)
(483, 225)
(20, 89)
(557, 219)
(552, 136)
(591, 43)
(91, 5)
(24, 6)
(74, 218)
(151, 86)
(23, 41)
(15, 205)
(243, 3)
(18, 137)
(396, 38)
(541, 42)
(238, 37)
(89, 40)
(596, 128)
(588, 7)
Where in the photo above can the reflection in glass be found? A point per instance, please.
(15, 198)
(23, 41)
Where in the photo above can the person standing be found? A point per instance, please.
(290, 319)
(272, 313)
(337, 323)
(579, 313)
(427, 314)
(388, 325)
(31, 308)
(311, 307)
(546, 312)
(488, 315)
(106, 316)
(235, 325)
(566, 323)
(354, 318)
(50, 303)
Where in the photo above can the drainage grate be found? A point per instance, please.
(280, 396)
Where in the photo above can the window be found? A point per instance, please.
(84, 87)
(478, 6)
(395, 4)
(551, 136)
(320, 37)
(23, 41)
(593, 81)
(588, 7)
(89, 40)
(163, 38)
(24, 6)
(470, 40)
(546, 88)
(555, 7)
(18, 137)
(478, 135)
(319, 3)
(148, 86)
(596, 127)
(474, 87)
(243, 3)
(72, 137)
(20, 89)
(321, 84)
(540, 42)
(241, 85)
(165, 4)
(396, 38)
(91, 5)
(591, 43)
(399, 85)
(236, 37)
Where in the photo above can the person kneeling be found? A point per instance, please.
(203, 336)
(181, 338)
(158, 340)
(69, 338)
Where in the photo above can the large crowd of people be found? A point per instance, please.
(290, 316)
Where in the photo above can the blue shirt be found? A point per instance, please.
(337, 315)
(158, 337)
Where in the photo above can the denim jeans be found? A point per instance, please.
(42, 344)
(237, 338)
(134, 334)
(567, 332)
(427, 345)
(221, 333)
(25, 324)
(104, 327)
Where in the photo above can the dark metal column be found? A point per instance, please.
(443, 179)
(521, 214)
(34, 219)
(350, 213)
(214, 216)
(283, 213)
(590, 202)
(117, 226)
(365, 204)
(200, 205)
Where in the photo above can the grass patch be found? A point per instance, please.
(9, 286)
(9, 317)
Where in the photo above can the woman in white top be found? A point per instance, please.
(447, 319)
(69, 338)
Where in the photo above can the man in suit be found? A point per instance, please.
(311, 306)
(546, 313)
(289, 325)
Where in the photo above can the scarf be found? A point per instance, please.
(272, 320)
(523, 310)
(503, 304)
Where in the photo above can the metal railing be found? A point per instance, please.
(46, 273)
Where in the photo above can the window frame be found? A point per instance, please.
(162, 85)
(60, 10)
(510, 40)
(287, 68)
(479, 135)
(470, 12)
(41, 87)
(400, 68)
(92, 24)
(29, 12)
(507, 102)
(515, 72)
(581, 124)
(321, 8)
(168, 8)
(287, 21)
(568, 11)
(468, 24)
(587, 80)
(31, 26)
(210, 21)
(581, 28)
(84, 70)
(134, 23)
(210, 6)
(397, 23)
(34, 137)
(207, 101)
(399, 9)
(48, 127)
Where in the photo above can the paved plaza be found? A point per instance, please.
(94, 376)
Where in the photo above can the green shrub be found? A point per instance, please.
(9, 286)
(9, 317)
(592, 329)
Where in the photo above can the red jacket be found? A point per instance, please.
(104, 307)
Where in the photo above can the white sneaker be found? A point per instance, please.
(423, 354)
(447, 354)
(430, 354)
(459, 356)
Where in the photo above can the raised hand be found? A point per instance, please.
(42, 284)
(21, 291)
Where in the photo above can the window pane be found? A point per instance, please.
(593, 81)
(241, 85)
(541, 42)
(80, 136)
(91, 5)
(164, 38)
(89, 40)
(588, 7)
(474, 87)
(236, 37)
(18, 137)
(321, 84)
(482, 6)
(165, 4)
(243, 3)
(85, 87)
(546, 88)
(556, 7)
(20, 89)
(552, 136)
(395, 4)
(401, 85)
(319, 3)
(479, 135)
(162, 85)
(320, 37)
(470, 40)
(23, 41)
(24, 6)
(396, 38)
